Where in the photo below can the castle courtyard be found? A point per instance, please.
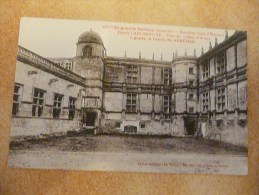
(130, 152)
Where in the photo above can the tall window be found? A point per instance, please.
(72, 107)
(191, 83)
(205, 101)
(57, 105)
(38, 99)
(111, 73)
(16, 99)
(220, 63)
(87, 52)
(167, 104)
(132, 74)
(167, 76)
(221, 99)
(131, 104)
(191, 70)
(205, 71)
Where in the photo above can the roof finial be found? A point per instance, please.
(139, 55)
(194, 52)
(173, 55)
(202, 52)
(210, 47)
(161, 57)
(185, 53)
(226, 34)
(125, 54)
(216, 41)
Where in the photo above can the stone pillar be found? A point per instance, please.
(153, 107)
(123, 112)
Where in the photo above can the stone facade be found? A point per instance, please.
(186, 96)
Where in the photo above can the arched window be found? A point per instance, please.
(87, 52)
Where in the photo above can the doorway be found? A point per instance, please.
(89, 118)
(190, 126)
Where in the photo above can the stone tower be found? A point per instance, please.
(89, 64)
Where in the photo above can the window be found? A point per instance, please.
(57, 105)
(117, 124)
(220, 63)
(112, 73)
(191, 83)
(72, 107)
(132, 74)
(167, 104)
(221, 99)
(167, 76)
(191, 96)
(130, 129)
(16, 99)
(219, 123)
(142, 125)
(131, 105)
(205, 71)
(205, 102)
(38, 99)
(87, 52)
(191, 70)
(191, 109)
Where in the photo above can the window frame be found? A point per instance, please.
(17, 102)
(191, 70)
(167, 76)
(71, 107)
(220, 63)
(38, 105)
(191, 109)
(167, 104)
(221, 98)
(56, 110)
(131, 103)
(88, 51)
(191, 96)
(205, 101)
(132, 74)
(205, 71)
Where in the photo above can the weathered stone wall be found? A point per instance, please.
(147, 127)
(42, 126)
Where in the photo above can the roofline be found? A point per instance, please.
(236, 37)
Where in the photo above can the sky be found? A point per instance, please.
(52, 38)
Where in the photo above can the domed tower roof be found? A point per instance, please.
(90, 37)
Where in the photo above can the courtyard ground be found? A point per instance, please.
(130, 153)
(129, 143)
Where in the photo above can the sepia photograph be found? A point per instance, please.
(106, 96)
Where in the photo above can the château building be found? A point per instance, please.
(186, 96)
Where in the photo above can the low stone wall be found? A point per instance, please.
(42, 126)
(233, 134)
(156, 127)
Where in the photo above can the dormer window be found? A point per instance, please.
(87, 52)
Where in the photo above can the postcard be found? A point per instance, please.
(106, 96)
